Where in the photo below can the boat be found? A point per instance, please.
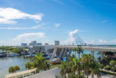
(3, 54)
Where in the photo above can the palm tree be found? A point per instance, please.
(40, 63)
(76, 66)
(94, 68)
(86, 60)
(64, 69)
(79, 50)
(90, 66)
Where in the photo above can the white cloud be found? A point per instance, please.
(22, 27)
(57, 25)
(9, 15)
(71, 38)
(27, 37)
(101, 41)
(71, 35)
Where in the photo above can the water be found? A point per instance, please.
(6, 62)
(96, 54)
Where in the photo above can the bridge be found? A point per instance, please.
(61, 50)
(92, 48)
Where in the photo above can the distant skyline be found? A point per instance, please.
(48, 20)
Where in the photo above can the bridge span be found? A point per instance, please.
(91, 48)
(62, 50)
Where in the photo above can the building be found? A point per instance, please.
(39, 43)
(46, 44)
(57, 42)
(24, 44)
(33, 43)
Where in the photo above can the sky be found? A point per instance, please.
(92, 21)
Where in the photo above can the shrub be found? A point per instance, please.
(17, 67)
(113, 69)
(107, 67)
(11, 69)
(28, 65)
(112, 63)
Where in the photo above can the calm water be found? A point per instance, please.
(6, 62)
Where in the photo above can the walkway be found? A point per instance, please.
(52, 73)
(21, 74)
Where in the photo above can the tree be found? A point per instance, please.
(112, 63)
(13, 69)
(28, 65)
(17, 50)
(17, 68)
(64, 69)
(79, 50)
(76, 66)
(90, 66)
(107, 67)
(80, 68)
(94, 69)
(86, 60)
(71, 68)
(40, 63)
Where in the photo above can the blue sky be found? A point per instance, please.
(48, 20)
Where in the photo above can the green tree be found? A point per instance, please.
(28, 65)
(79, 50)
(86, 60)
(40, 63)
(11, 69)
(94, 69)
(64, 69)
(17, 50)
(17, 68)
(112, 63)
(107, 67)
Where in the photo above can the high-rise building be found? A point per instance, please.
(33, 43)
(57, 42)
(46, 44)
(24, 44)
(39, 43)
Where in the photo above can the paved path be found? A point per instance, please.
(104, 76)
(52, 73)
